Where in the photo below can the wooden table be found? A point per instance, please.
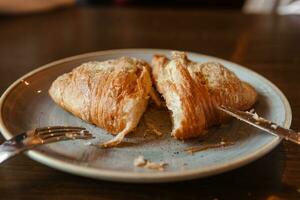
(269, 45)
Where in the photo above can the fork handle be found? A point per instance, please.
(9, 149)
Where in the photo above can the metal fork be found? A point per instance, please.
(39, 136)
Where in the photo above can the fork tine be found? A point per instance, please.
(62, 133)
(52, 128)
(57, 129)
(71, 136)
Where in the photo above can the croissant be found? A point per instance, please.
(192, 92)
(112, 94)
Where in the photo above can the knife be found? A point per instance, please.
(253, 119)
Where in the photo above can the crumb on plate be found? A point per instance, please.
(141, 162)
(153, 129)
(274, 126)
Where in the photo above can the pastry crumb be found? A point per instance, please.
(260, 119)
(274, 126)
(153, 129)
(141, 162)
(88, 143)
(252, 111)
(156, 166)
(255, 116)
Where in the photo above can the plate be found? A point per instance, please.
(26, 105)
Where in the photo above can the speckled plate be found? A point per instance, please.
(26, 105)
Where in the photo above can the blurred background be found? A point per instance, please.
(263, 35)
(248, 6)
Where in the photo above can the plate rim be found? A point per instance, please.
(140, 177)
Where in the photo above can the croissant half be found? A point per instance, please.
(192, 92)
(112, 94)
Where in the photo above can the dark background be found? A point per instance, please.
(268, 44)
(213, 4)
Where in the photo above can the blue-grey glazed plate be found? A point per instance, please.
(26, 105)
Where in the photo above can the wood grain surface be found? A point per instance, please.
(269, 45)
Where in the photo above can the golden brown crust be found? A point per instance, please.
(193, 90)
(175, 82)
(112, 94)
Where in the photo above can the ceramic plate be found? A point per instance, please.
(26, 105)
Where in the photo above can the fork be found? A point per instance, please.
(39, 136)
